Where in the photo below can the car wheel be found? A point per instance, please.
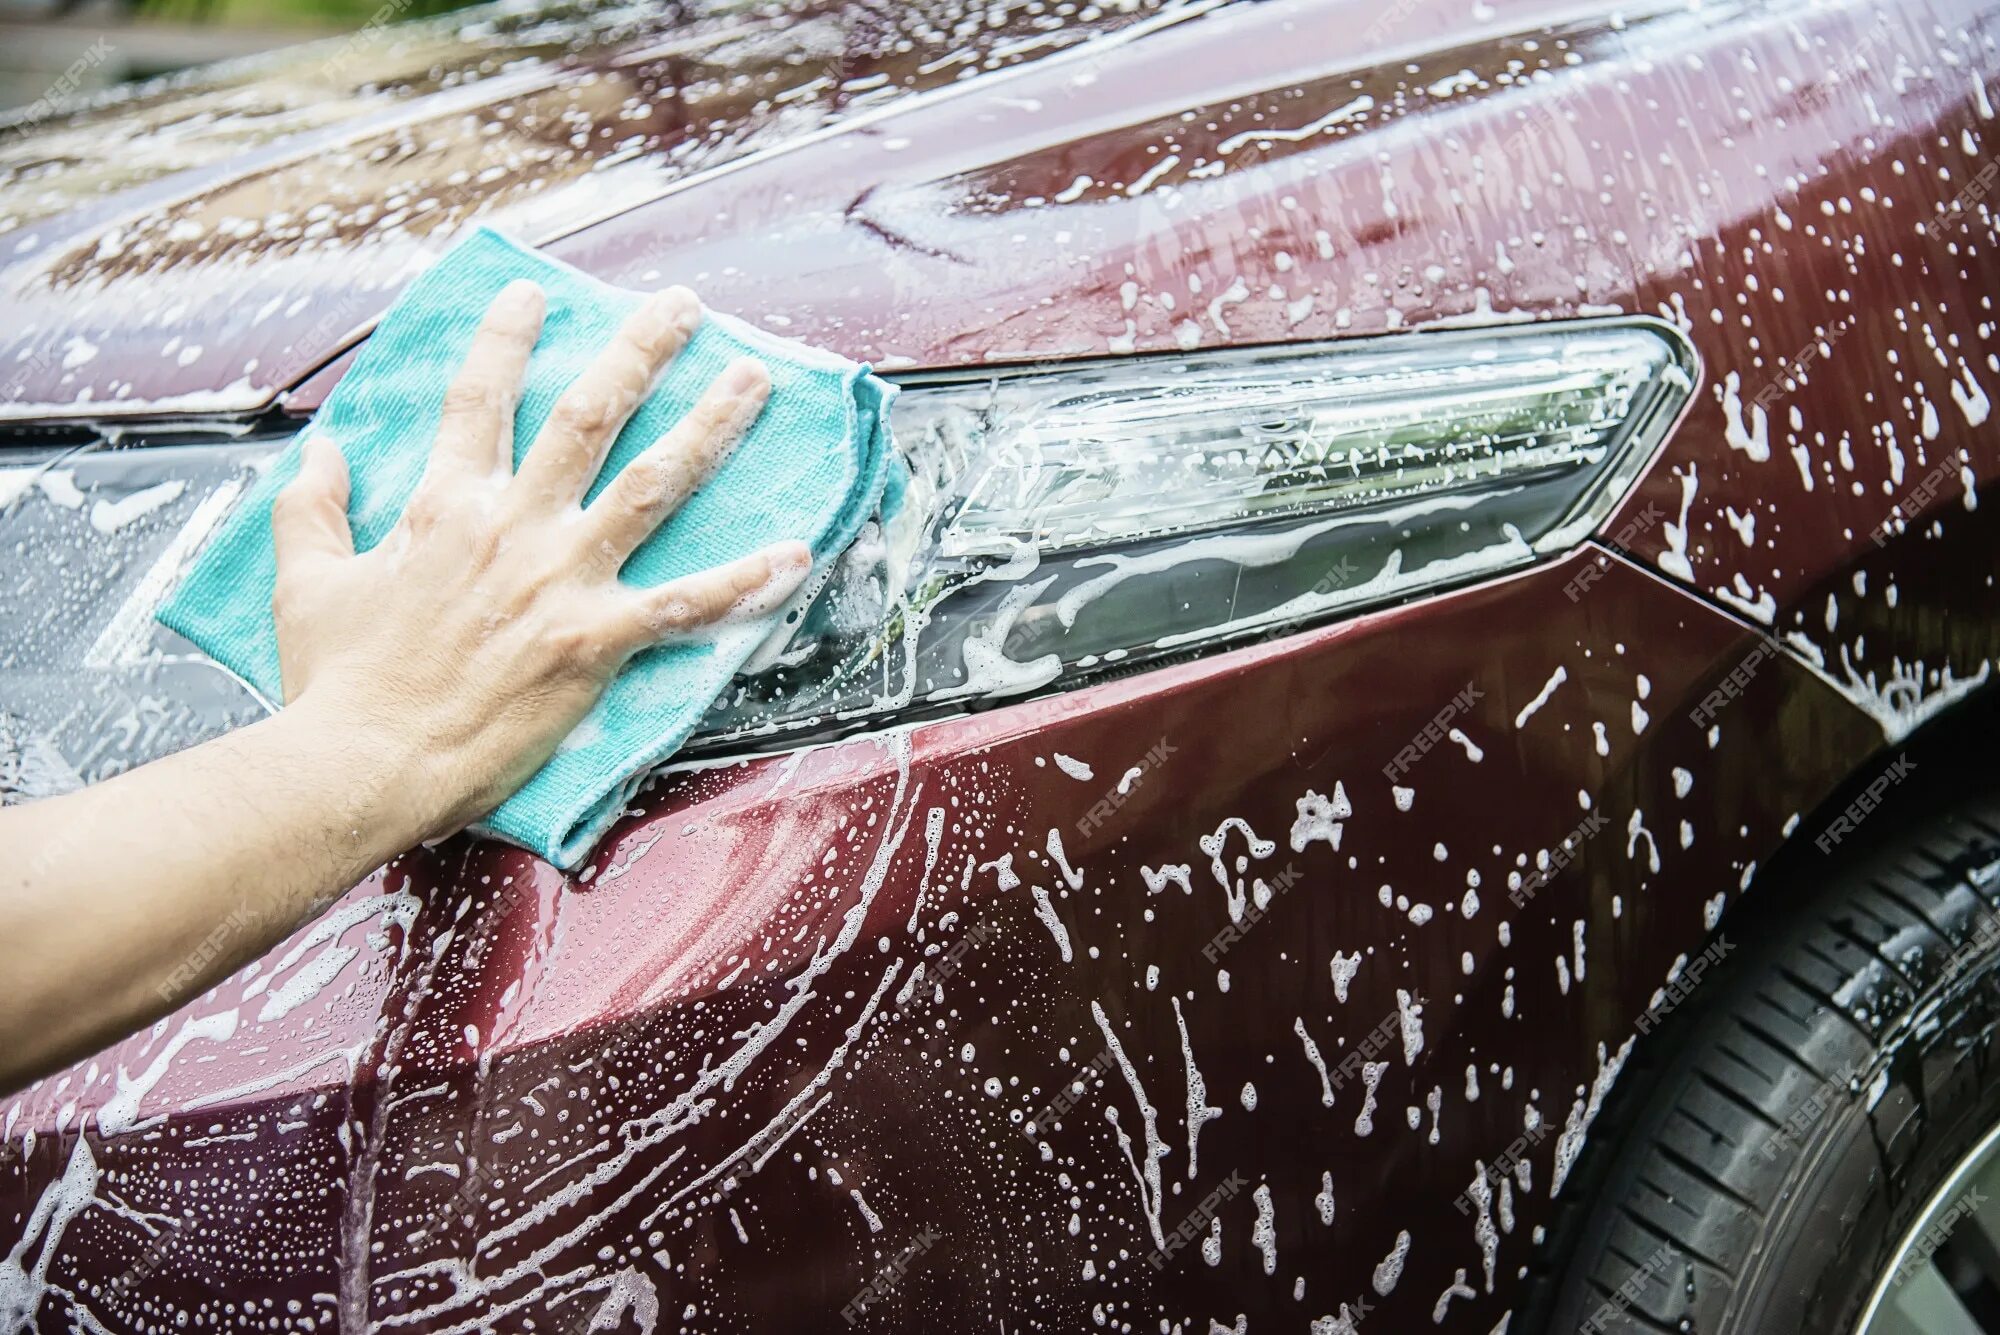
(1820, 1150)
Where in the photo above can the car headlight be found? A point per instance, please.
(1054, 523)
(90, 684)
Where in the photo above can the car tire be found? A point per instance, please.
(1808, 1101)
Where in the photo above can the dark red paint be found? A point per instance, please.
(1737, 169)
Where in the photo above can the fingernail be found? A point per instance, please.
(673, 312)
(520, 295)
(744, 378)
(680, 299)
(668, 303)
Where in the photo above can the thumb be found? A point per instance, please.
(309, 516)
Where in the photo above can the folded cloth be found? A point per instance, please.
(811, 468)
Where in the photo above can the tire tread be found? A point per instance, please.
(1829, 989)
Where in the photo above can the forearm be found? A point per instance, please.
(121, 901)
(429, 677)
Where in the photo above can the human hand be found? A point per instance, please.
(469, 642)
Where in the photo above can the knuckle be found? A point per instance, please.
(661, 325)
(651, 485)
(472, 396)
(288, 504)
(425, 510)
(300, 495)
(637, 346)
(601, 558)
(586, 412)
(706, 422)
(671, 610)
(717, 427)
(481, 544)
(578, 645)
(631, 368)
(711, 600)
(719, 410)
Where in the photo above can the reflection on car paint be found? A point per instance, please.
(724, 1080)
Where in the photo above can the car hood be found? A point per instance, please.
(201, 244)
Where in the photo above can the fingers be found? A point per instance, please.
(476, 431)
(659, 481)
(754, 586)
(566, 455)
(309, 516)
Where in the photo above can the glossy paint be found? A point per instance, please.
(743, 954)
(697, 1088)
(200, 249)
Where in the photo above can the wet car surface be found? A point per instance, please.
(1277, 986)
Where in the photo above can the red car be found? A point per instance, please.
(1416, 753)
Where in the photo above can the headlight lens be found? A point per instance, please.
(1053, 524)
(90, 684)
(1070, 522)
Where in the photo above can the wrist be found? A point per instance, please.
(377, 780)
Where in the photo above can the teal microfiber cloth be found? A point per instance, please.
(812, 468)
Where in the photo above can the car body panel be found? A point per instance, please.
(201, 248)
(967, 230)
(524, 1099)
(1768, 508)
(699, 1078)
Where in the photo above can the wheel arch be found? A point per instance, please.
(1949, 752)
